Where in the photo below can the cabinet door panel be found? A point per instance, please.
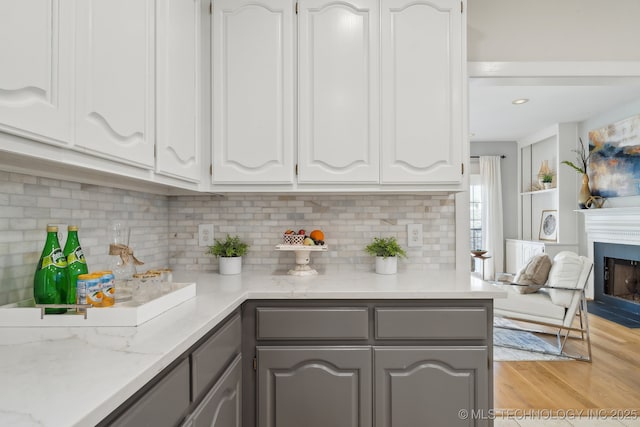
(339, 96)
(35, 89)
(114, 75)
(314, 386)
(222, 407)
(163, 405)
(179, 95)
(253, 91)
(421, 91)
(416, 384)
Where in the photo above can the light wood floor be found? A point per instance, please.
(611, 381)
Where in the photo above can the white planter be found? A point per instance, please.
(387, 265)
(230, 265)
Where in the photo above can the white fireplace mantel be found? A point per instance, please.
(610, 225)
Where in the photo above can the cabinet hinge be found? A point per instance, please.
(462, 168)
(461, 7)
(296, 169)
(296, 8)
(211, 169)
(210, 8)
(255, 364)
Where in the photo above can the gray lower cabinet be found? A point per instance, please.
(361, 363)
(415, 384)
(165, 404)
(222, 406)
(203, 387)
(314, 386)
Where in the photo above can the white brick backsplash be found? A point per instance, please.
(28, 204)
(348, 221)
(164, 229)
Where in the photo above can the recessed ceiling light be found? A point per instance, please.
(520, 101)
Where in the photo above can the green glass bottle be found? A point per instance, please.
(51, 281)
(76, 263)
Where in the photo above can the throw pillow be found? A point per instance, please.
(533, 275)
(565, 273)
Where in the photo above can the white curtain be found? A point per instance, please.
(492, 235)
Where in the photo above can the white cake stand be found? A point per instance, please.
(303, 256)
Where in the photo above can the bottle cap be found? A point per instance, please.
(72, 228)
(52, 228)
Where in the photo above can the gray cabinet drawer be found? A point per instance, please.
(312, 323)
(210, 359)
(431, 323)
(165, 404)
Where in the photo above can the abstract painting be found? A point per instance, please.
(614, 166)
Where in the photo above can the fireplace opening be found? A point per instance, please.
(616, 277)
(622, 278)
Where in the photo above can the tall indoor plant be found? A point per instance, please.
(387, 251)
(583, 161)
(230, 252)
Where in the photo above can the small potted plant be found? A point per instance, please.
(387, 251)
(230, 252)
(547, 179)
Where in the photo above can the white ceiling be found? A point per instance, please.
(493, 117)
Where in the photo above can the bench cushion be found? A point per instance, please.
(537, 306)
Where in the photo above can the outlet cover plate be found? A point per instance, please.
(205, 235)
(414, 235)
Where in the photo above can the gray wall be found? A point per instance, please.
(509, 172)
(552, 30)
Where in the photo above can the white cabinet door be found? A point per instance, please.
(35, 47)
(115, 79)
(253, 91)
(422, 98)
(338, 63)
(179, 89)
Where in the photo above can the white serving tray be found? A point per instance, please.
(126, 313)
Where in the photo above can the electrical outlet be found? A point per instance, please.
(414, 235)
(205, 234)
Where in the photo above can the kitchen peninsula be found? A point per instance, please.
(424, 322)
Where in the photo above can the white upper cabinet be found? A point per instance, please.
(253, 91)
(422, 91)
(338, 103)
(35, 43)
(179, 89)
(115, 84)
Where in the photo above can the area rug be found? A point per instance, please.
(508, 337)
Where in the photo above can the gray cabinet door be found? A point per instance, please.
(314, 386)
(435, 386)
(222, 406)
(165, 404)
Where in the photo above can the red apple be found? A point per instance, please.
(302, 232)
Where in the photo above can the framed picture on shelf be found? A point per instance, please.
(549, 225)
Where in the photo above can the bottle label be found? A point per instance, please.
(76, 256)
(55, 258)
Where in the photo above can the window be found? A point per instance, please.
(475, 199)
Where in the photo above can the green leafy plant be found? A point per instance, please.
(231, 247)
(547, 177)
(385, 247)
(582, 158)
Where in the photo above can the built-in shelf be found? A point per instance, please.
(548, 190)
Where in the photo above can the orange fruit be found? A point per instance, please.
(317, 235)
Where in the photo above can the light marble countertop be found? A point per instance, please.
(76, 376)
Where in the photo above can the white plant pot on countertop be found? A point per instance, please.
(387, 265)
(230, 265)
